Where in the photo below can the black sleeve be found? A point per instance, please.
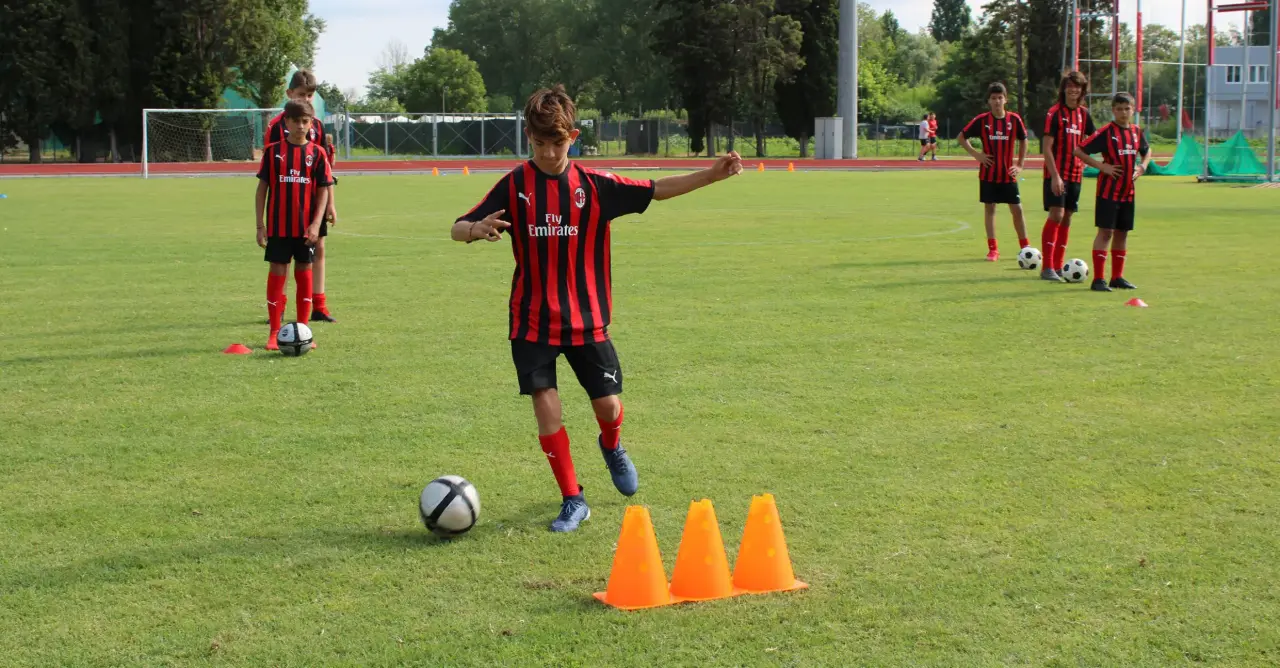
(968, 129)
(321, 173)
(1051, 125)
(620, 196)
(1089, 127)
(1096, 143)
(1143, 147)
(498, 199)
(264, 170)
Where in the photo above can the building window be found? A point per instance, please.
(1233, 74)
(1258, 74)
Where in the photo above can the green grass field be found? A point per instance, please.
(973, 467)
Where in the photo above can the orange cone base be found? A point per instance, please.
(601, 596)
(694, 599)
(237, 349)
(1136, 302)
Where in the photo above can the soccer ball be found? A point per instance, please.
(449, 506)
(1075, 270)
(1029, 258)
(294, 339)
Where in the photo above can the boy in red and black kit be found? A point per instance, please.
(302, 88)
(558, 215)
(1125, 157)
(1066, 125)
(294, 185)
(998, 175)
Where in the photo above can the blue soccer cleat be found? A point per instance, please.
(573, 511)
(621, 469)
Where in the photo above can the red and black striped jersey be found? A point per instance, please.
(1123, 147)
(998, 138)
(294, 176)
(1068, 127)
(561, 291)
(278, 132)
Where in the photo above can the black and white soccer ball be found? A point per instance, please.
(294, 339)
(449, 506)
(1075, 270)
(1029, 258)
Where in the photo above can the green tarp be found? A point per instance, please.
(1234, 157)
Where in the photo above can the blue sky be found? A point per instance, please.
(358, 30)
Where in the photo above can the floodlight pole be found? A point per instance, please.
(1274, 48)
(1182, 67)
(847, 77)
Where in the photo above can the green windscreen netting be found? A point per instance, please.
(1234, 157)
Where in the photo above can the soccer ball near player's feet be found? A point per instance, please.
(1075, 270)
(1029, 258)
(449, 506)
(294, 339)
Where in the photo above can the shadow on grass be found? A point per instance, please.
(933, 281)
(100, 356)
(986, 296)
(902, 263)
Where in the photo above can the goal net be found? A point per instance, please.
(203, 135)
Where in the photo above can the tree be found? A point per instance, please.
(394, 56)
(1011, 17)
(768, 51)
(916, 59)
(518, 45)
(696, 36)
(278, 33)
(109, 62)
(812, 91)
(615, 46)
(983, 56)
(333, 98)
(499, 104)
(950, 20)
(443, 77)
(376, 106)
(44, 69)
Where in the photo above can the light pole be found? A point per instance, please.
(443, 93)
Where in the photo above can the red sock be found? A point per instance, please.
(610, 431)
(1049, 241)
(1099, 263)
(1117, 263)
(991, 244)
(302, 277)
(1024, 242)
(556, 447)
(1060, 250)
(319, 303)
(275, 300)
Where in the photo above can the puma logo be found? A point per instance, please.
(611, 376)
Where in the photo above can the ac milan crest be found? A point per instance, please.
(309, 159)
(580, 197)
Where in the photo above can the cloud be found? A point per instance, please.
(359, 29)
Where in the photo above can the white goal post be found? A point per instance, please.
(202, 135)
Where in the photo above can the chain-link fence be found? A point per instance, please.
(405, 136)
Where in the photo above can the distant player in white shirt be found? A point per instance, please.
(926, 141)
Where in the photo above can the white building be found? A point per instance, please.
(1236, 84)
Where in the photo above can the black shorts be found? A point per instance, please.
(1069, 200)
(998, 193)
(282, 250)
(324, 228)
(924, 142)
(595, 365)
(1113, 215)
(933, 140)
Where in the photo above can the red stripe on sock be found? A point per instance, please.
(1099, 263)
(1117, 263)
(556, 448)
(610, 432)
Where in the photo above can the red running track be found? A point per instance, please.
(455, 165)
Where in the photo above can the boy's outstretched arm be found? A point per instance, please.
(675, 186)
(490, 228)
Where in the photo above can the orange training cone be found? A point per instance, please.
(763, 563)
(435, 171)
(760, 167)
(702, 569)
(637, 579)
(466, 170)
(1136, 302)
(237, 349)
(791, 166)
